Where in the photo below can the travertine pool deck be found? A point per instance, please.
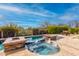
(19, 52)
(69, 46)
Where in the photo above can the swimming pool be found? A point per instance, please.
(36, 37)
(46, 49)
(1, 46)
(39, 46)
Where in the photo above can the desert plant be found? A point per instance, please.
(9, 30)
(56, 29)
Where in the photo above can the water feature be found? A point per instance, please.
(39, 46)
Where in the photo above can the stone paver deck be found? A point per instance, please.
(19, 52)
(69, 46)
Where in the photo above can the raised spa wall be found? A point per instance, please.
(13, 43)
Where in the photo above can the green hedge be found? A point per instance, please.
(74, 30)
(56, 29)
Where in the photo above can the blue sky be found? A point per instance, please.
(32, 15)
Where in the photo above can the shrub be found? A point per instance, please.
(9, 31)
(56, 29)
(74, 30)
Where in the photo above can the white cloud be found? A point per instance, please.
(71, 14)
(32, 11)
(41, 11)
(1, 16)
(10, 8)
(69, 17)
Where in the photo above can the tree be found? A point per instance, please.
(74, 30)
(45, 24)
(56, 29)
(9, 30)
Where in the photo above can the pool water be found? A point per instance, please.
(1, 46)
(45, 49)
(37, 45)
(33, 38)
(36, 37)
